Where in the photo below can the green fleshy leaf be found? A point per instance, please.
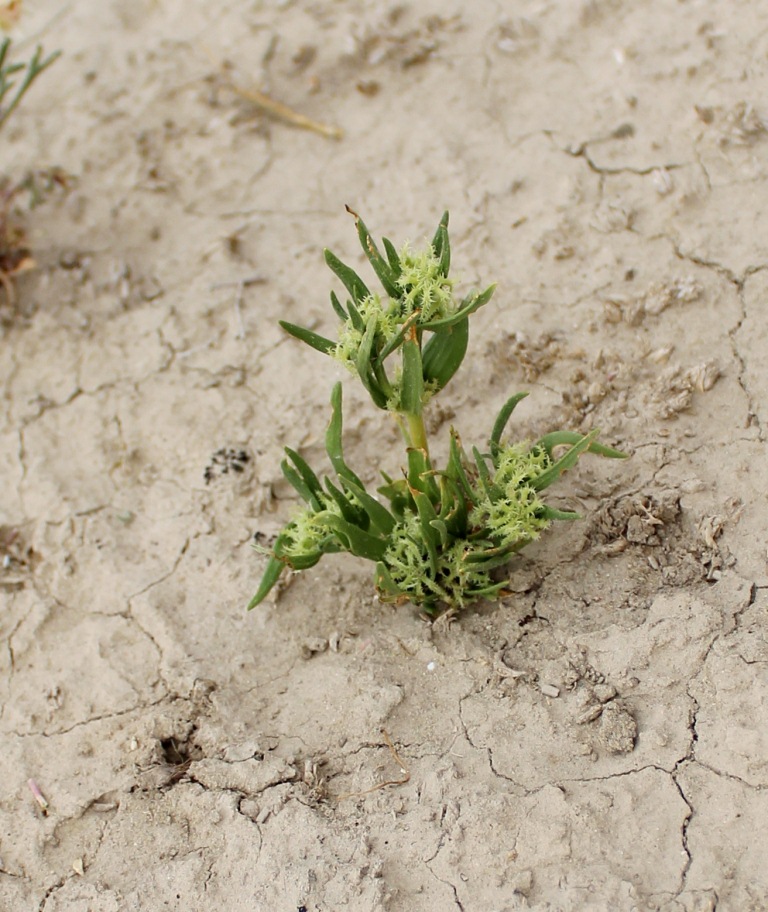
(420, 474)
(320, 343)
(455, 469)
(397, 494)
(444, 353)
(551, 513)
(354, 539)
(440, 237)
(333, 438)
(412, 395)
(429, 534)
(442, 531)
(355, 317)
(380, 266)
(295, 479)
(393, 257)
(310, 479)
(565, 462)
(490, 489)
(338, 309)
(501, 423)
(557, 438)
(380, 517)
(271, 575)
(363, 364)
(468, 306)
(453, 506)
(397, 339)
(351, 512)
(349, 278)
(385, 584)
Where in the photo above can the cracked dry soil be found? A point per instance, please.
(596, 741)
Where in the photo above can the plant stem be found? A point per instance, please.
(417, 433)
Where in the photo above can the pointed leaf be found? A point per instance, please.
(565, 462)
(349, 278)
(380, 517)
(440, 235)
(413, 378)
(354, 539)
(380, 266)
(551, 513)
(385, 583)
(393, 258)
(484, 475)
(444, 352)
(364, 366)
(351, 512)
(355, 317)
(501, 423)
(340, 312)
(295, 479)
(557, 438)
(455, 468)
(468, 306)
(310, 479)
(326, 346)
(442, 245)
(333, 438)
(429, 535)
(270, 576)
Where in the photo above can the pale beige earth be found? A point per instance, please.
(596, 741)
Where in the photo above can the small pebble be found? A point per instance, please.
(549, 690)
(589, 714)
(604, 692)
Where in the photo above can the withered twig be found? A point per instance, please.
(283, 112)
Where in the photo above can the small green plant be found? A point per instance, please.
(30, 71)
(14, 256)
(444, 532)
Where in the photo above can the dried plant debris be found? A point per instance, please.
(533, 356)
(741, 124)
(225, 461)
(17, 558)
(638, 519)
(654, 301)
(673, 391)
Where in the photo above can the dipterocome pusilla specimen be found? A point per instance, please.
(439, 536)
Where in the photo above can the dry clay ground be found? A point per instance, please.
(597, 741)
